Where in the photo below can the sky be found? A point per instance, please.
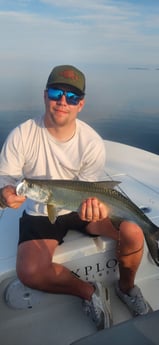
(94, 35)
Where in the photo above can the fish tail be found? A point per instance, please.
(153, 245)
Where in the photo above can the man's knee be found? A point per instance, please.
(28, 272)
(130, 234)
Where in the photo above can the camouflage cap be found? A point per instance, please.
(68, 75)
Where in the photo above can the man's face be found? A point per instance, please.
(59, 112)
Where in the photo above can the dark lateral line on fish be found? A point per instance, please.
(69, 184)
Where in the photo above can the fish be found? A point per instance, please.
(69, 194)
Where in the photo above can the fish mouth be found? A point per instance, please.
(20, 188)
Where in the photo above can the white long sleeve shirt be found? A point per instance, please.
(31, 151)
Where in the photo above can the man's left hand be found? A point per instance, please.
(93, 210)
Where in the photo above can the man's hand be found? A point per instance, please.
(93, 210)
(9, 197)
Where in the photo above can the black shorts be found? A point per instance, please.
(39, 227)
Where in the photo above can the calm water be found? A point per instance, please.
(121, 104)
(135, 129)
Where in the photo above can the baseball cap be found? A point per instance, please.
(68, 75)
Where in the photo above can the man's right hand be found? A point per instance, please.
(10, 198)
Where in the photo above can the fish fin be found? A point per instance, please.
(108, 184)
(51, 210)
(116, 221)
(152, 241)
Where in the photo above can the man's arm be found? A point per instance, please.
(11, 166)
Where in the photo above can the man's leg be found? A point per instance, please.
(129, 251)
(130, 241)
(36, 270)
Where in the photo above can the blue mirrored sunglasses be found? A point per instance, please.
(56, 94)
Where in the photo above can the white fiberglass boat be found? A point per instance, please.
(31, 317)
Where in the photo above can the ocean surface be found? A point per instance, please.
(122, 107)
(133, 128)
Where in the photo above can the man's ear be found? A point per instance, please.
(45, 96)
(81, 105)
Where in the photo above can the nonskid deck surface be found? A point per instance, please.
(54, 319)
(142, 330)
(59, 319)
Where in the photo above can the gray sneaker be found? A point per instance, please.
(98, 308)
(134, 301)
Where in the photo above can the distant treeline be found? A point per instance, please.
(143, 68)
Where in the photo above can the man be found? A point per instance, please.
(59, 146)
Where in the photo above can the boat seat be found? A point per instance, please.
(142, 330)
(90, 258)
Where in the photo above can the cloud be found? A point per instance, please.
(35, 35)
(97, 30)
(93, 32)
